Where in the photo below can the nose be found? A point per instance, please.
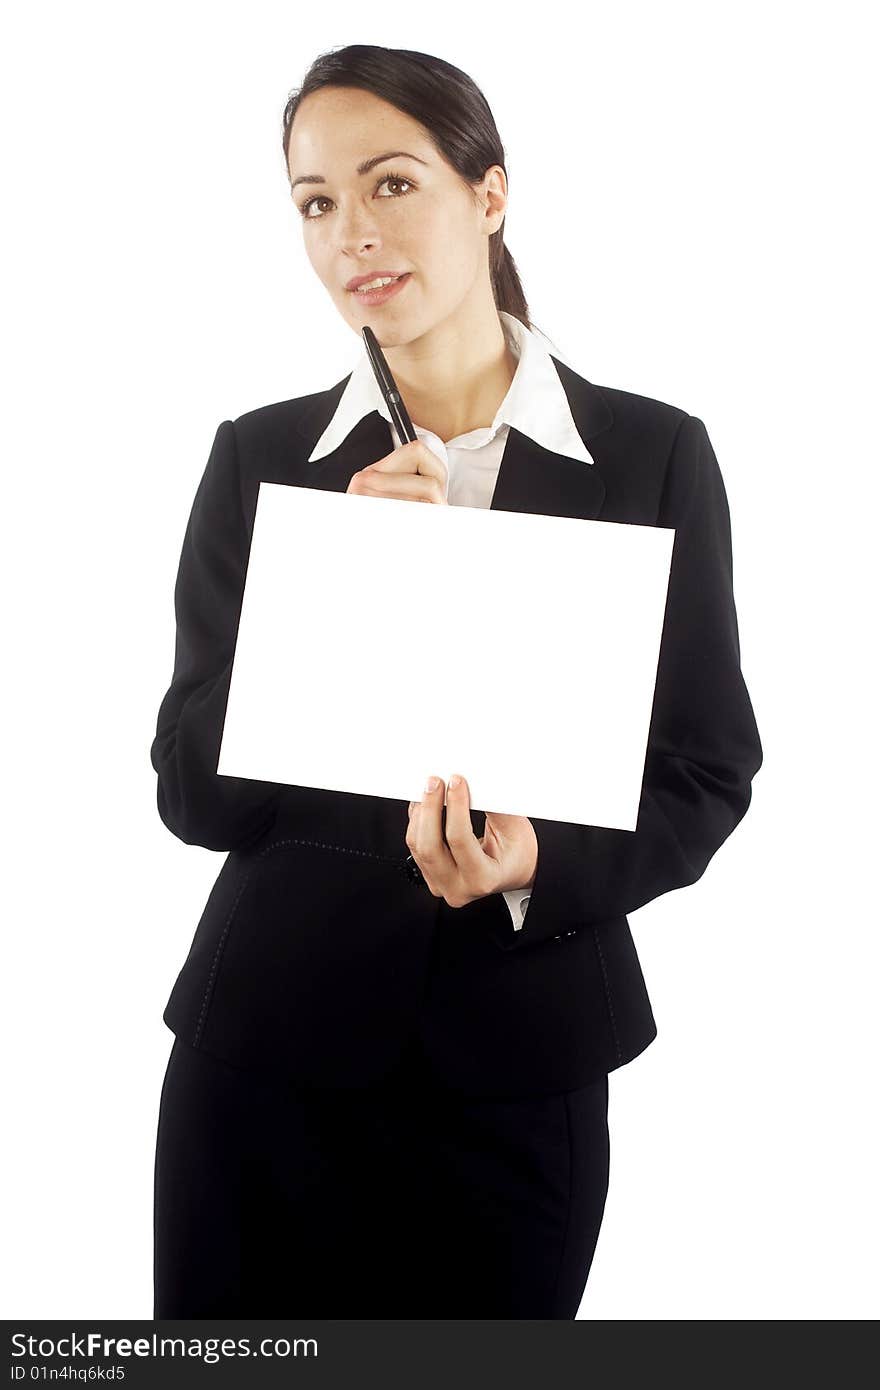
(356, 230)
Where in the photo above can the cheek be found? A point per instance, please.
(317, 260)
(318, 253)
(450, 267)
(451, 245)
(421, 227)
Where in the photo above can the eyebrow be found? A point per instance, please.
(363, 168)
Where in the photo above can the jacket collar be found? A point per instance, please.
(546, 467)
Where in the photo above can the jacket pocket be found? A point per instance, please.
(303, 913)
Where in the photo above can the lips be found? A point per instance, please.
(356, 287)
(373, 299)
(358, 280)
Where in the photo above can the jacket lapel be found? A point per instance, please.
(530, 479)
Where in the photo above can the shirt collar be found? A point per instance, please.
(535, 404)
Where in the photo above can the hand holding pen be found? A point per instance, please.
(411, 473)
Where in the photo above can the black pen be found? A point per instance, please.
(388, 386)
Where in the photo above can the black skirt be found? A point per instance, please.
(400, 1199)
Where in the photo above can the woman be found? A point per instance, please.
(387, 1094)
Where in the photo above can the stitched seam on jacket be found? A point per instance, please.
(246, 877)
(344, 849)
(607, 985)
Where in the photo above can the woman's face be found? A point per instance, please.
(411, 213)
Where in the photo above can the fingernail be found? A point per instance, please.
(454, 780)
(432, 784)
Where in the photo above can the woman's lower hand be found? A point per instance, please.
(456, 865)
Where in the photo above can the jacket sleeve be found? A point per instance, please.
(703, 744)
(197, 804)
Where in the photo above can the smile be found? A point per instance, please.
(379, 294)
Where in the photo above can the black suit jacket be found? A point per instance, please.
(316, 954)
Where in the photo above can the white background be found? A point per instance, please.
(689, 212)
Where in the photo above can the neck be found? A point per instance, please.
(454, 378)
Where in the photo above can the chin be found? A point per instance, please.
(392, 335)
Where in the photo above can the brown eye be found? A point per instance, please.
(318, 199)
(390, 178)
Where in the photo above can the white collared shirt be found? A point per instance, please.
(535, 404)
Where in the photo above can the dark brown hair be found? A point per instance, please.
(452, 110)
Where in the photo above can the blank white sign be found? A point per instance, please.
(383, 640)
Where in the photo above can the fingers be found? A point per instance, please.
(414, 457)
(413, 472)
(465, 848)
(408, 487)
(451, 861)
(424, 837)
